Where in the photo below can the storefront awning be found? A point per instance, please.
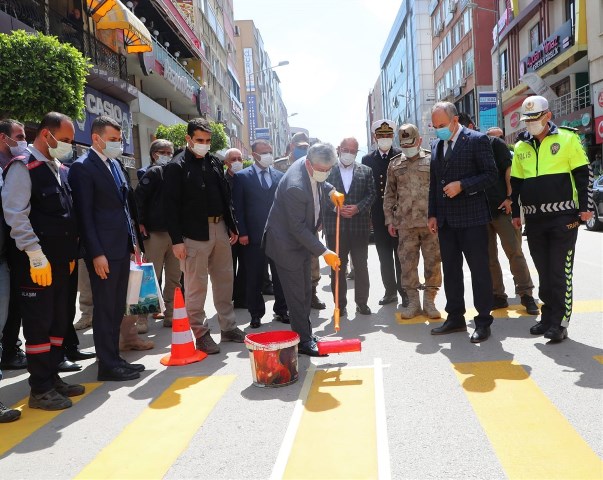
(114, 15)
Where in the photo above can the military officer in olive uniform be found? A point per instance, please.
(405, 203)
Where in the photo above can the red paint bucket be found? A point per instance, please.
(273, 357)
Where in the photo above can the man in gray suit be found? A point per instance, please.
(290, 235)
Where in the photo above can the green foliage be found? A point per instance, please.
(176, 134)
(173, 133)
(40, 74)
(219, 140)
(247, 163)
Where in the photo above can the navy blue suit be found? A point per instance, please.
(101, 214)
(463, 219)
(252, 203)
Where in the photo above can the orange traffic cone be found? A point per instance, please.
(183, 347)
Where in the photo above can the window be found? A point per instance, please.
(562, 88)
(504, 67)
(570, 11)
(469, 62)
(534, 37)
(467, 20)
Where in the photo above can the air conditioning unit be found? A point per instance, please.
(453, 5)
(229, 48)
(449, 92)
(436, 32)
(441, 27)
(463, 82)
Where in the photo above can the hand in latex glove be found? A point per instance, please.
(71, 266)
(40, 270)
(337, 198)
(332, 259)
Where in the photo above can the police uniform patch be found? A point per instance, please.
(555, 148)
(145, 181)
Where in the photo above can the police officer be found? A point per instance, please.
(37, 205)
(552, 178)
(405, 205)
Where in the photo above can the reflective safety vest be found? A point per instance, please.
(548, 187)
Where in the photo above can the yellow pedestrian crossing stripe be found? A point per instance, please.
(531, 438)
(337, 435)
(32, 419)
(598, 358)
(512, 311)
(162, 431)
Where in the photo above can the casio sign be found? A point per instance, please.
(97, 106)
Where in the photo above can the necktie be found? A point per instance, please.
(384, 156)
(448, 153)
(123, 194)
(263, 179)
(116, 177)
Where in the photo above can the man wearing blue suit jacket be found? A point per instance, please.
(290, 236)
(462, 167)
(252, 196)
(100, 193)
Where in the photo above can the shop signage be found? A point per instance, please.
(488, 114)
(251, 116)
(248, 62)
(262, 134)
(237, 109)
(551, 48)
(599, 130)
(203, 102)
(96, 104)
(598, 99)
(581, 120)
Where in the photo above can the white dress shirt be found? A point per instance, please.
(347, 173)
(453, 139)
(259, 170)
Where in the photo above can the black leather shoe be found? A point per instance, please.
(117, 374)
(136, 367)
(363, 309)
(405, 300)
(17, 361)
(389, 299)
(268, 289)
(256, 322)
(69, 366)
(500, 302)
(343, 312)
(540, 328)
(530, 304)
(284, 318)
(481, 334)
(74, 354)
(316, 303)
(449, 327)
(556, 334)
(309, 348)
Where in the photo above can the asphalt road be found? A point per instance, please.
(410, 405)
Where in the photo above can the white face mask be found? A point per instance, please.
(236, 166)
(62, 151)
(19, 149)
(113, 149)
(266, 159)
(535, 128)
(347, 158)
(200, 149)
(163, 159)
(320, 176)
(410, 151)
(385, 143)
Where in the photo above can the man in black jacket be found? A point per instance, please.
(202, 228)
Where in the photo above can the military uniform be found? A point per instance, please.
(405, 205)
(282, 164)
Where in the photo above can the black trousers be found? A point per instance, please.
(355, 246)
(44, 314)
(387, 247)
(255, 267)
(71, 341)
(472, 242)
(239, 287)
(10, 333)
(297, 288)
(552, 243)
(109, 297)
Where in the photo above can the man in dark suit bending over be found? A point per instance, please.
(290, 235)
(462, 167)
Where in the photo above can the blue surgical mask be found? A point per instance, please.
(444, 133)
(299, 152)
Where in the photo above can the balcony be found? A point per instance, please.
(38, 17)
(571, 102)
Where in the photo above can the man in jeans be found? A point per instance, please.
(6, 414)
(202, 229)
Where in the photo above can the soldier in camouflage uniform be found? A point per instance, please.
(405, 205)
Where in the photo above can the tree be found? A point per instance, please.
(176, 134)
(40, 74)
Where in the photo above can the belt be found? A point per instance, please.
(214, 219)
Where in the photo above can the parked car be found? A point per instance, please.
(596, 222)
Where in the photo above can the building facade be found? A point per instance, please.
(407, 87)
(595, 61)
(374, 111)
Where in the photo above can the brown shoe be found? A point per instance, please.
(139, 344)
(83, 323)
(206, 344)
(234, 335)
(50, 400)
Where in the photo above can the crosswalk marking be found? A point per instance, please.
(337, 435)
(531, 438)
(162, 431)
(598, 358)
(32, 419)
(512, 311)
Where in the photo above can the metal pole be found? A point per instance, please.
(499, 104)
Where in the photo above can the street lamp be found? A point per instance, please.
(499, 106)
(252, 75)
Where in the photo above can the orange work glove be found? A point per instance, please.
(337, 198)
(40, 270)
(332, 259)
(71, 266)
